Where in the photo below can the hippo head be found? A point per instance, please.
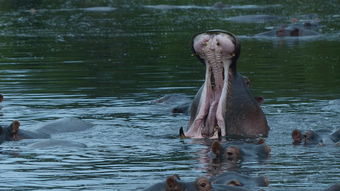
(203, 184)
(233, 154)
(14, 129)
(218, 50)
(297, 136)
(173, 183)
(311, 137)
(213, 41)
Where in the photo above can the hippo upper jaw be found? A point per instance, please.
(216, 49)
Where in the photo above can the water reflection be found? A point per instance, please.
(104, 61)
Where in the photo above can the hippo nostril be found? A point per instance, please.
(229, 153)
(218, 43)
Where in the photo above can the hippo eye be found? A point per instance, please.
(203, 185)
(218, 44)
(230, 153)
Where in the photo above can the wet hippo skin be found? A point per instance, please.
(334, 187)
(224, 101)
(13, 133)
(173, 183)
(65, 125)
(320, 136)
(52, 143)
(291, 30)
(236, 179)
(238, 151)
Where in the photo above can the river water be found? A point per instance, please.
(105, 61)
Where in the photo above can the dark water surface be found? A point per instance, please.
(104, 61)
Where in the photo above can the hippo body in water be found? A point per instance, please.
(65, 125)
(291, 30)
(224, 102)
(173, 183)
(52, 143)
(13, 133)
(320, 136)
(254, 18)
(235, 152)
(334, 187)
(236, 179)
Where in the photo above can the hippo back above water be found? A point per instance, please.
(13, 133)
(173, 183)
(65, 125)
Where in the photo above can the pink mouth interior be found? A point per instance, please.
(216, 50)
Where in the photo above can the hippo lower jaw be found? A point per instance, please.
(216, 50)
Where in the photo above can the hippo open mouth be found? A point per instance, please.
(216, 49)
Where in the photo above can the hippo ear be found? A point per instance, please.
(181, 133)
(15, 126)
(259, 99)
(296, 136)
(172, 182)
(216, 148)
(234, 183)
(261, 141)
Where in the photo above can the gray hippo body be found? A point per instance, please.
(173, 183)
(65, 125)
(317, 137)
(254, 18)
(292, 30)
(334, 187)
(235, 152)
(236, 179)
(52, 143)
(13, 133)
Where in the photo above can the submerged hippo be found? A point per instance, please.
(52, 143)
(236, 179)
(334, 187)
(10, 132)
(13, 133)
(64, 125)
(238, 151)
(321, 136)
(1, 97)
(291, 30)
(224, 101)
(173, 183)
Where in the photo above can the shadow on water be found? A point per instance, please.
(104, 62)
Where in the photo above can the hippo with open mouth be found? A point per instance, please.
(223, 104)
